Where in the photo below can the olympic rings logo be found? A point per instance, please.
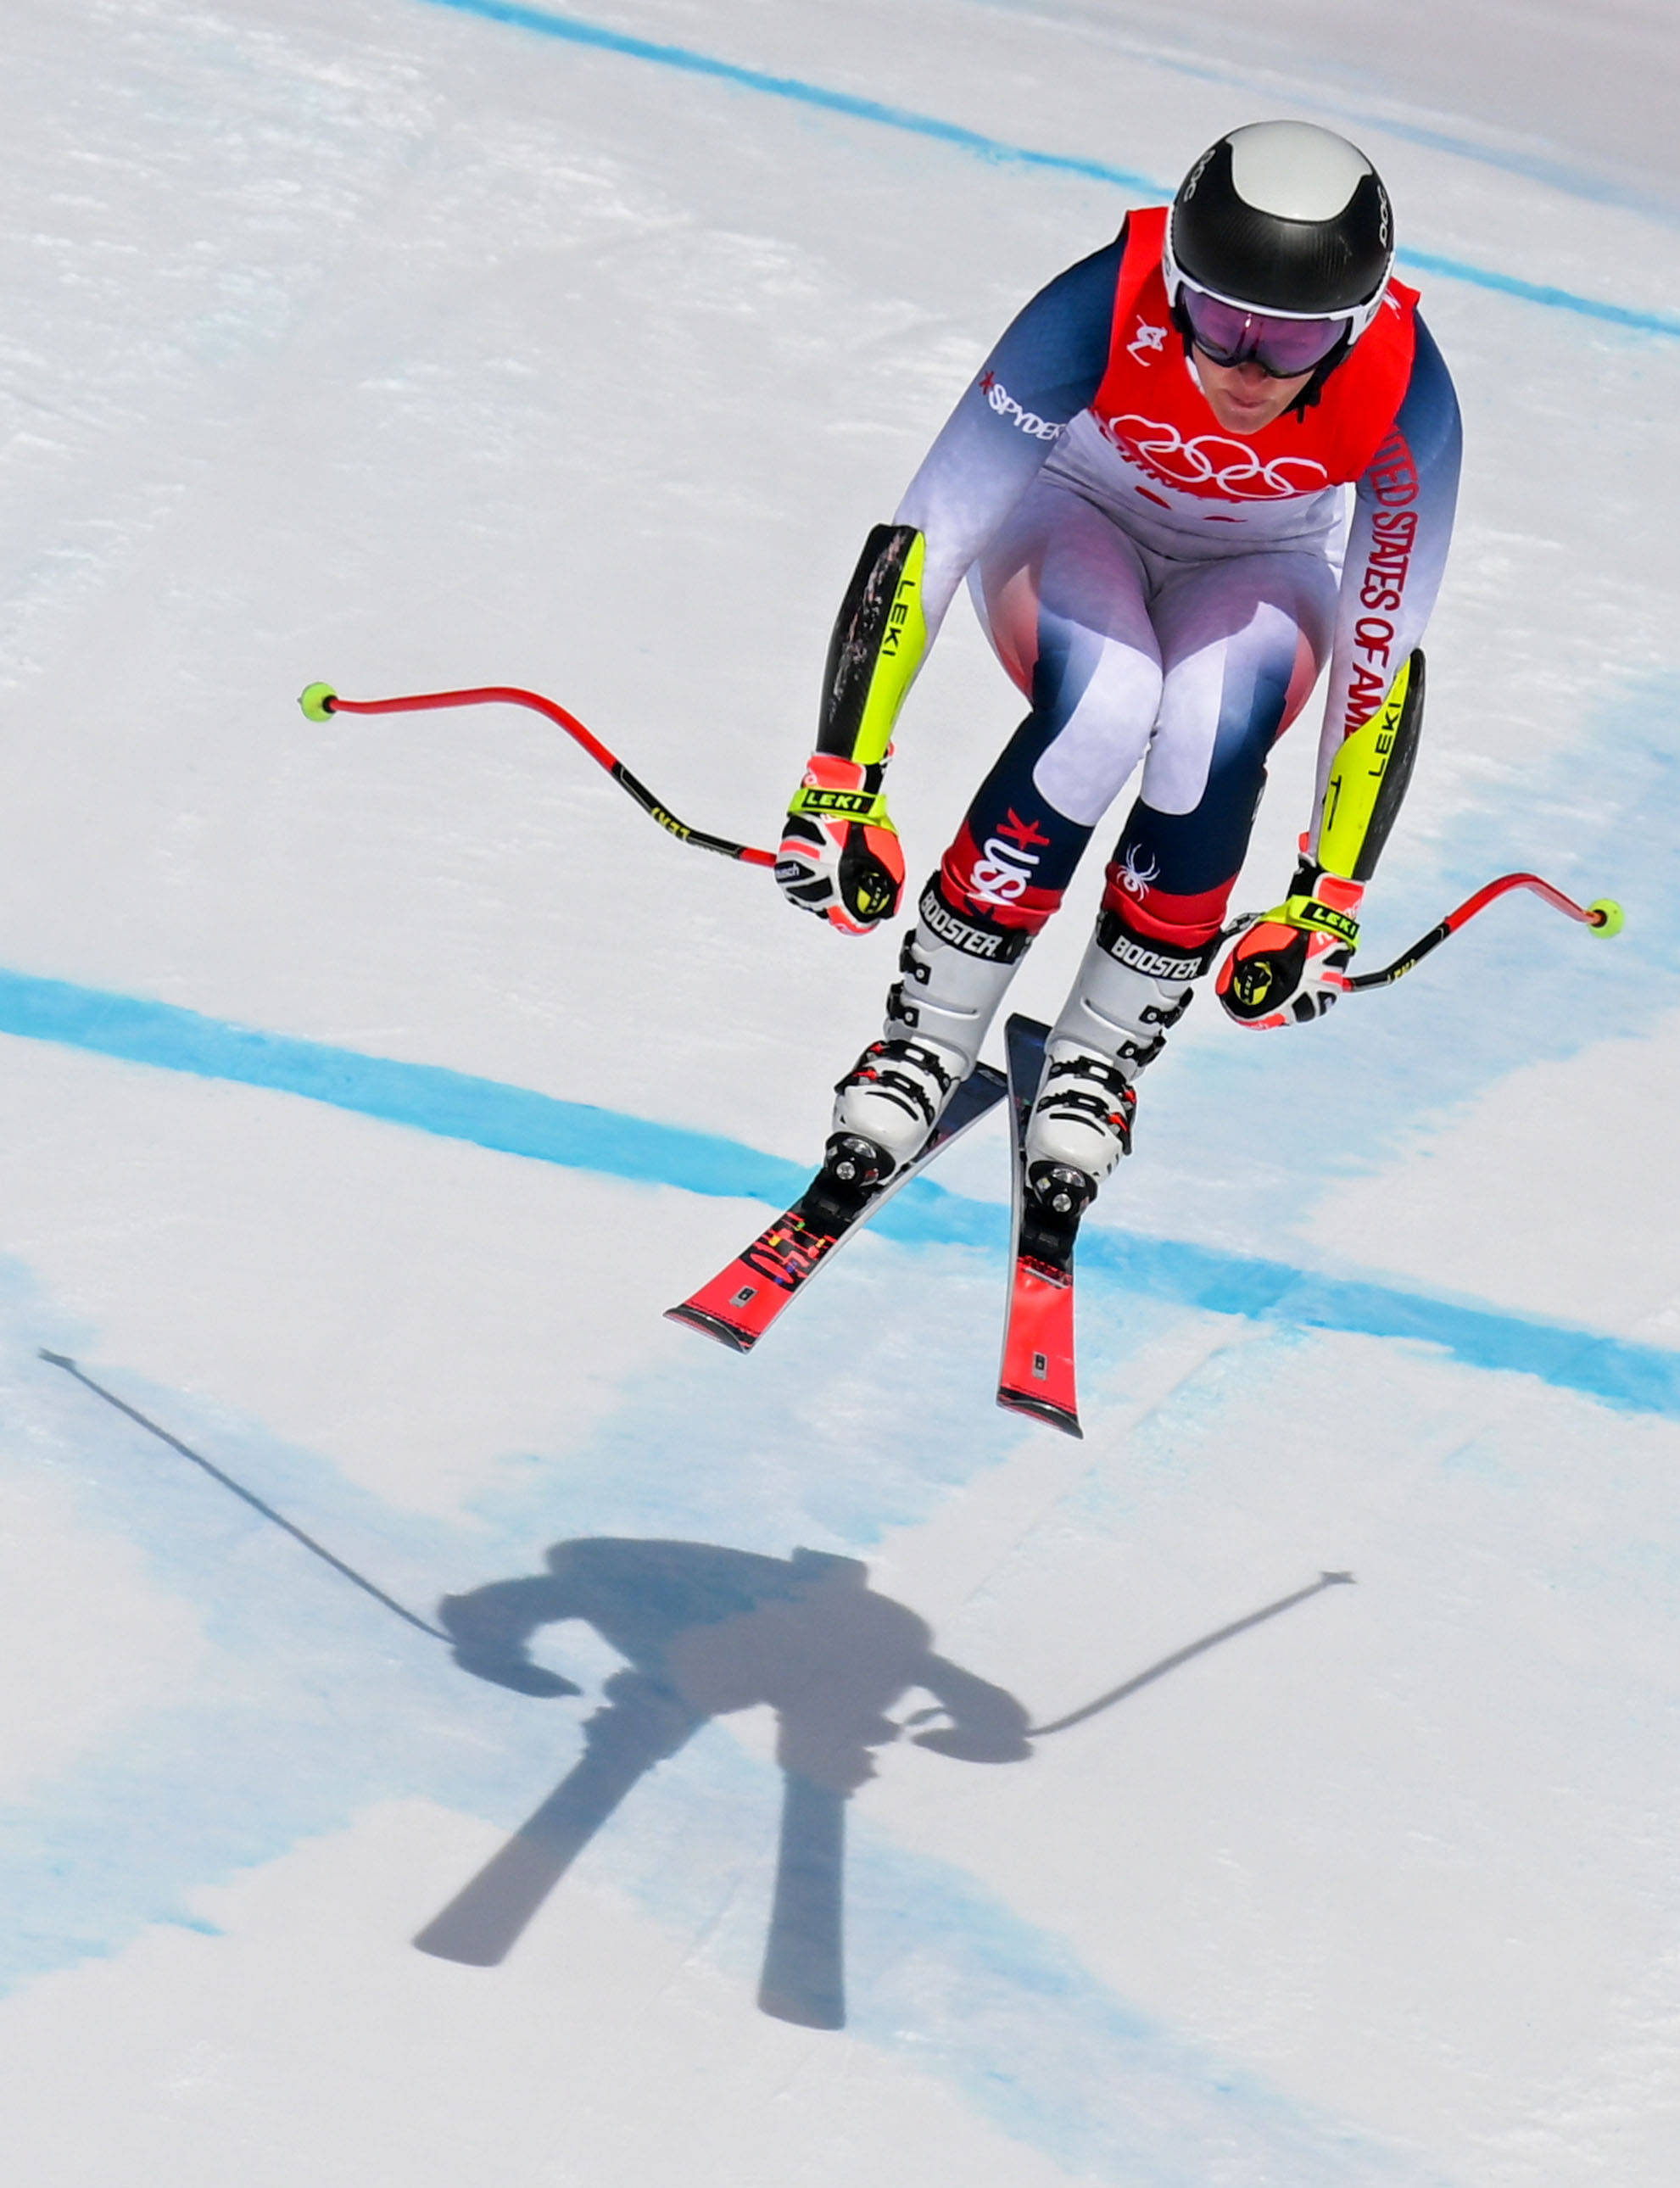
(1209, 464)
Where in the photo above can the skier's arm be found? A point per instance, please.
(1044, 370)
(1396, 551)
(840, 856)
(1290, 967)
(492, 1627)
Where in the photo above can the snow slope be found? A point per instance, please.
(369, 1089)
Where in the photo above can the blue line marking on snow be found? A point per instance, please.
(453, 1104)
(575, 1135)
(1344, 110)
(577, 32)
(1639, 1378)
(1536, 292)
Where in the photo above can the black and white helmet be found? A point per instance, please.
(1285, 219)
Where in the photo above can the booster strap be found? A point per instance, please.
(1157, 958)
(974, 938)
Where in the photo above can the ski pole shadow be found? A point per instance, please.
(704, 1631)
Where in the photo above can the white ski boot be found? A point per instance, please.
(937, 1016)
(1129, 991)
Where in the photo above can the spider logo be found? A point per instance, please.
(1135, 878)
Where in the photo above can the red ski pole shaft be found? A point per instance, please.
(320, 703)
(1604, 917)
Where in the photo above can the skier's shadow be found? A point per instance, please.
(704, 1631)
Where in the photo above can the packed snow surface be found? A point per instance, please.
(370, 1086)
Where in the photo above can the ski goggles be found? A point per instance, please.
(1283, 348)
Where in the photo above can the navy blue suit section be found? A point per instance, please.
(1052, 356)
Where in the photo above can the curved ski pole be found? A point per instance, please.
(320, 703)
(1604, 917)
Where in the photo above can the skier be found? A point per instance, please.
(1146, 487)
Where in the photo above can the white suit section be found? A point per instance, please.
(1064, 596)
(1141, 657)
